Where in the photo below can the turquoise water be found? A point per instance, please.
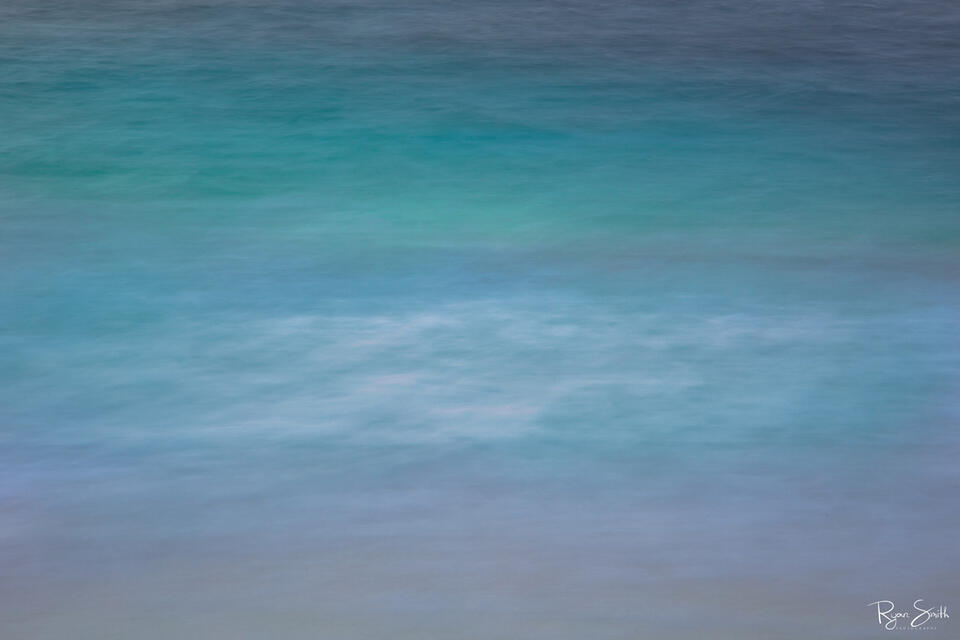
(495, 320)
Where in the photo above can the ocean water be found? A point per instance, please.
(539, 319)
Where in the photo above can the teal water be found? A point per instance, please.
(498, 320)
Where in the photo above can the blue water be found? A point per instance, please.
(519, 320)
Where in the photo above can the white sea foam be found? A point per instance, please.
(487, 369)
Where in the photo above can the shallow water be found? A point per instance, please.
(495, 320)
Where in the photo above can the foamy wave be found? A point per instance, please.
(490, 369)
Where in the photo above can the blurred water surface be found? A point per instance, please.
(509, 320)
